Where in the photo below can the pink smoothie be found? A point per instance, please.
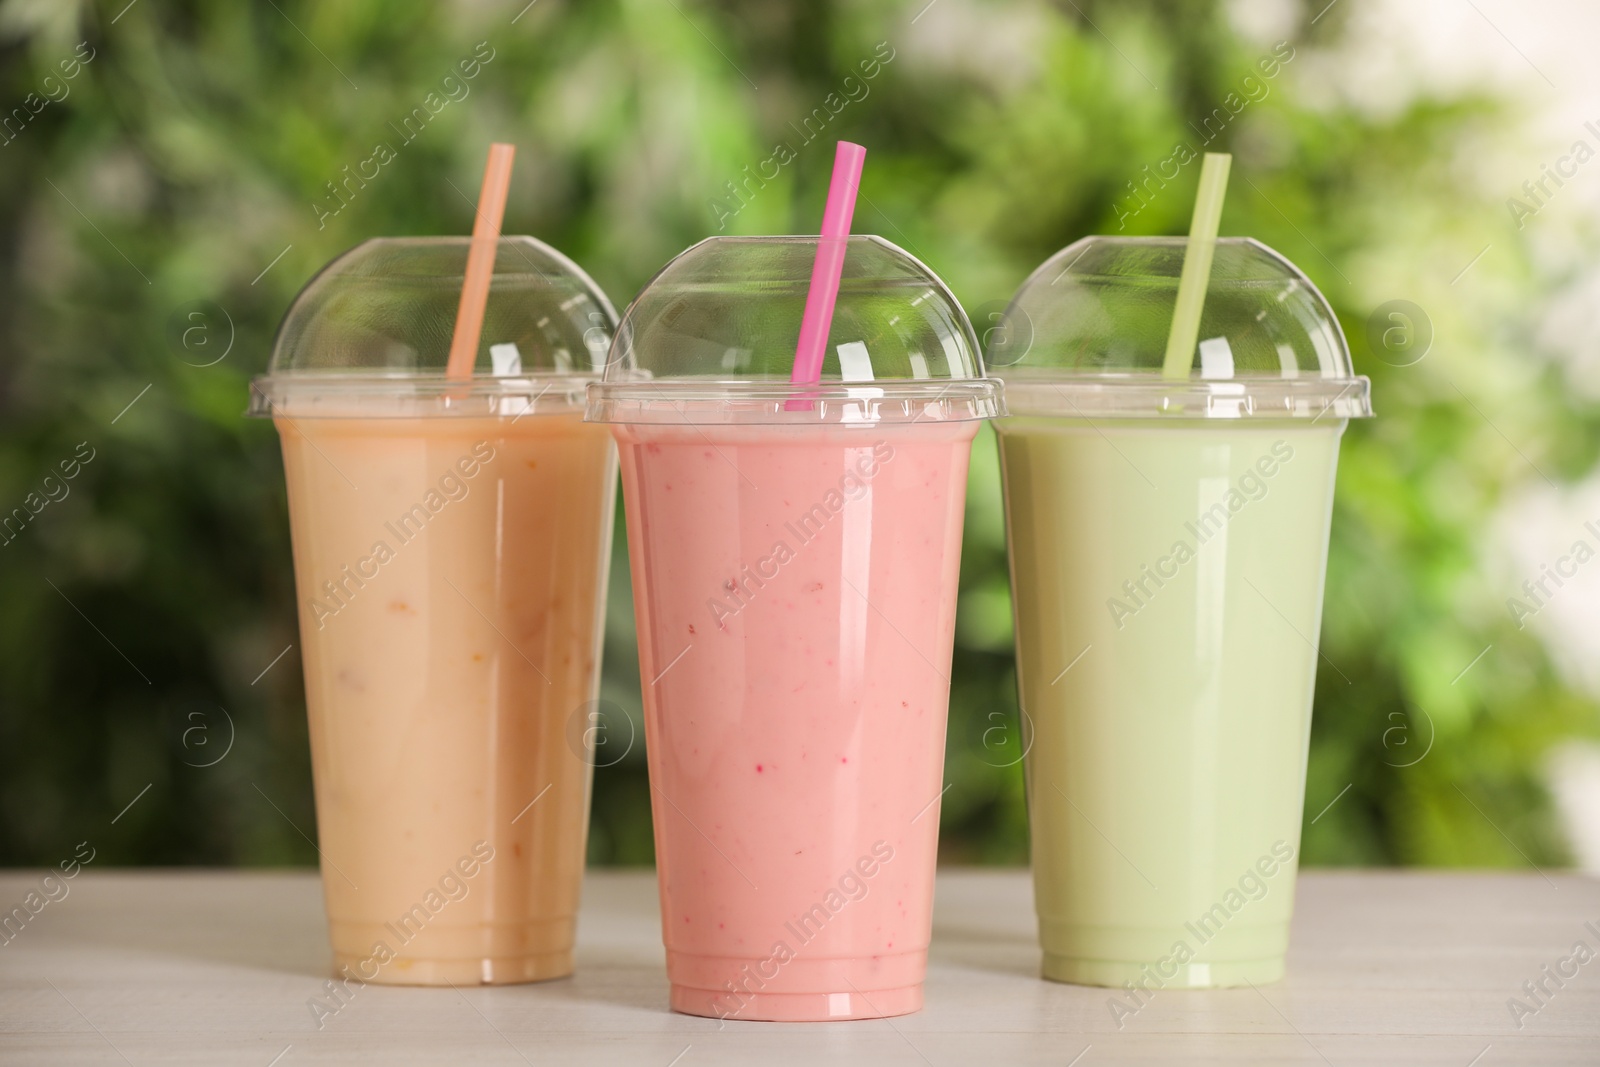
(795, 589)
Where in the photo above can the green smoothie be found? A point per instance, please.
(1168, 528)
(1168, 585)
(1168, 592)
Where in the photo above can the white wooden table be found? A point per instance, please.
(215, 968)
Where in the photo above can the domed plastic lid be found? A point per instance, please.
(369, 336)
(712, 339)
(1087, 333)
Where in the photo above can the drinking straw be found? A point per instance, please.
(829, 266)
(480, 260)
(1196, 275)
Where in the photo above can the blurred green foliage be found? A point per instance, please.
(189, 159)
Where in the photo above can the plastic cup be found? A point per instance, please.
(1168, 541)
(451, 545)
(794, 571)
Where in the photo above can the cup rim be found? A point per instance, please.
(1150, 397)
(641, 399)
(341, 394)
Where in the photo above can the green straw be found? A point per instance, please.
(1196, 274)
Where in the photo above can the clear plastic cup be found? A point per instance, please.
(451, 544)
(795, 553)
(1168, 542)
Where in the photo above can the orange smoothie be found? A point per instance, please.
(451, 578)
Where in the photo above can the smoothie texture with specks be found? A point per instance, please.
(795, 590)
(451, 578)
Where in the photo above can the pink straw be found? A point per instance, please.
(829, 267)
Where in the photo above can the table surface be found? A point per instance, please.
(215, 968)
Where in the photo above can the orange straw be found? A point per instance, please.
(480, 260)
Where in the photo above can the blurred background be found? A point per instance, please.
(167, 173)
